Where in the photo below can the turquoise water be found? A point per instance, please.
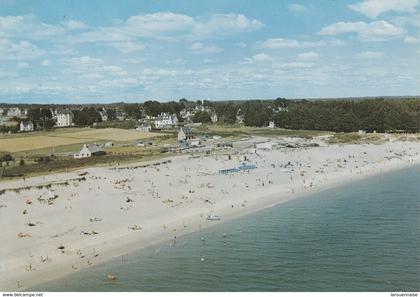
(364, 236)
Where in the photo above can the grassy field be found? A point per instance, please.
(64, 137)
(60, 144)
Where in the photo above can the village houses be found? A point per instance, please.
(14, 112)
(214, 117)
(240, 118)
(144, 127)
(166, 120)
(26, 126)
(63, 117)
(185, 133)
(104, 115)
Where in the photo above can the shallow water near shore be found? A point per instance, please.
(363, 236)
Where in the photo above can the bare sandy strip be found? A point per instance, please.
(49, 233)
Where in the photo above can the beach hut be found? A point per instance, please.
(245, 166)
(227, 144)
(264, 146)
(229, 170)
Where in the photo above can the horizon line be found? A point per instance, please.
(218, 100)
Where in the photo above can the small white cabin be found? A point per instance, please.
(89, 150)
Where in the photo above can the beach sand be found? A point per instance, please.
(92, 215)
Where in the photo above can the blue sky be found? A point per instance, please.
(108, 51)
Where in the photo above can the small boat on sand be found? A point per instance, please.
(111, 277)
(213, 217)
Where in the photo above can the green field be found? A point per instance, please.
(62, 138)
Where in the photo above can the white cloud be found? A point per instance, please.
(225, 24)
(374, 8)
(125, 46)
(45, 62)
(160, 23)
(171, 26)
(200, 48)
(411, 39)
(85, 65)
(22, 65)
(296, 8)
(75, 25)
(297, 65)
(279, 43)
(85, 61)
(241, 44)
(22, 50)
(101, 35)
(413, 20)
(374, 31)
(369, 55)
(308, 56)
(196, 46)
(258, 58)
(27, 26)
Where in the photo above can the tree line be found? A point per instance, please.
(339, 115)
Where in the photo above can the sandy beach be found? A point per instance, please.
(59, 224)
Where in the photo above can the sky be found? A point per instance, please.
(101, 51)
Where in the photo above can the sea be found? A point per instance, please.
(361, 236)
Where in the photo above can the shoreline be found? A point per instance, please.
(117, 242)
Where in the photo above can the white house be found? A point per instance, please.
(26, 126)
(14, 112)
(104, 115)
(63, 118)
(214, 117)
(144, 127)
(186, 114)
(195, 143)
(166, 120)
(240, 118)
(185, 133)
(271, 124)
(119, 115)
(89, 150)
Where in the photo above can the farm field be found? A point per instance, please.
(110, 134)
(61, 137)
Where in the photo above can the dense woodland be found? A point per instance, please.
(379, 115)
(341, 115)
